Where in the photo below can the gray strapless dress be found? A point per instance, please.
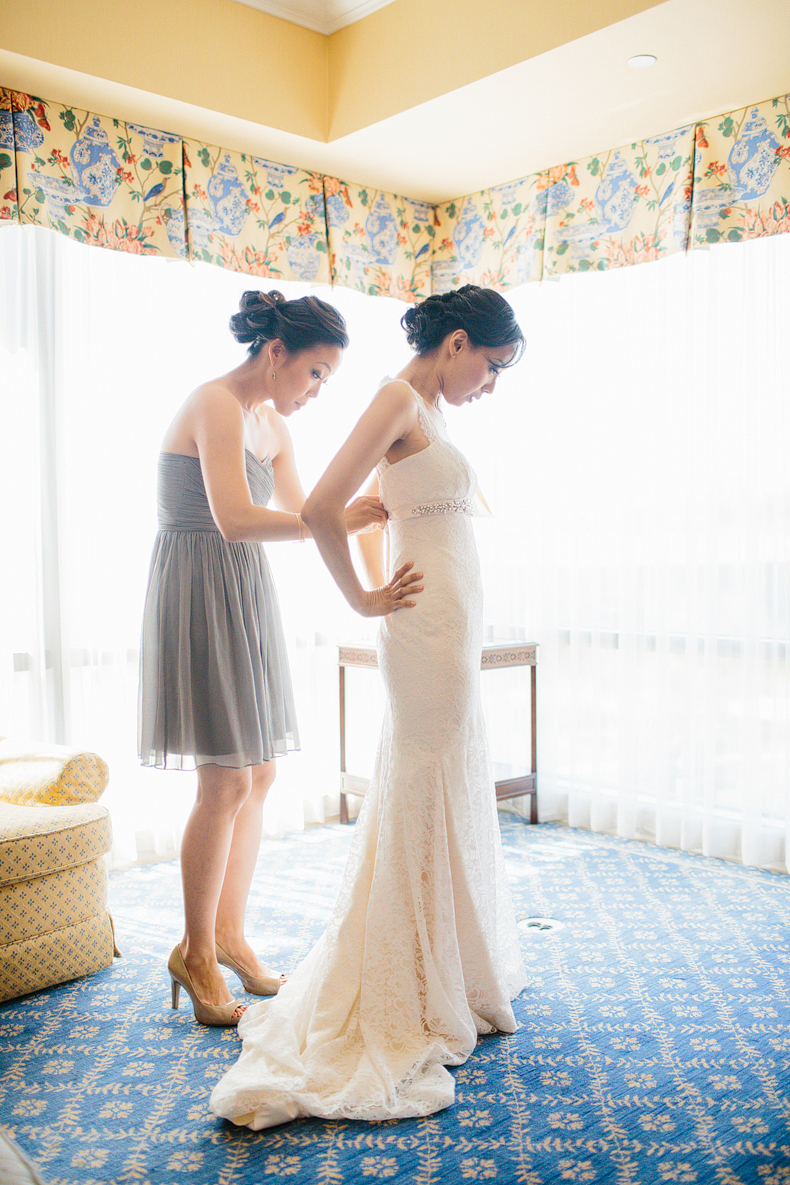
(214, 680)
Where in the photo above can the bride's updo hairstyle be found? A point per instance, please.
(486, 317)
(299, 324)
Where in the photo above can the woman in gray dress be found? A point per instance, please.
(215, 691)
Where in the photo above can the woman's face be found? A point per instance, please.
(299, 376)
(472, 371)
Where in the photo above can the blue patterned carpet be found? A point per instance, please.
(654, 1043)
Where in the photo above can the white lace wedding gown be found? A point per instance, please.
(421, 954)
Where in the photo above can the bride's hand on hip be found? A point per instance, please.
(381, 601)
(365, 514)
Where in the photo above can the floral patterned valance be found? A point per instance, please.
(132, 188)
(742, 175)
(494, 238)
(379, 243)
(629, 205)
(9, 210)
(96, 179)
(252, 215)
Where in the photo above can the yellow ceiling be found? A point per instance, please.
(429, 98)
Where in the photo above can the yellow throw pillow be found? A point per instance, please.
(34, 774)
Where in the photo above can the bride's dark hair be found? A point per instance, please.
(486, 317)
(299, 324)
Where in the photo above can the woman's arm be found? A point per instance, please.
(217, 423)
(372, 546)
(288, 493)
(390, 416)
(363, 515)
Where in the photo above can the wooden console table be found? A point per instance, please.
(496, 655)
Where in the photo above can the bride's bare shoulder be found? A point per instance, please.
(397, 395)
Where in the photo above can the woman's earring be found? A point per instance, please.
(274, 376)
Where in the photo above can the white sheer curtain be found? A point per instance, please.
(636, 466)
(97, 351)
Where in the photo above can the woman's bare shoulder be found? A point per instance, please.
(397, 398)
(209, 406)
(214, 392)
(398, 390)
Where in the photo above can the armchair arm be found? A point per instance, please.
(33, 774)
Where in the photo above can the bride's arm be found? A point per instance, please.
(389, 417)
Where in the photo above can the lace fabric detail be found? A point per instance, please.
(427, 423)
(428, 426)
(421, 953)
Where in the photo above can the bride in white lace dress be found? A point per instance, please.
(421, 954)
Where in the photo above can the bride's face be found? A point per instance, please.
(472, 371)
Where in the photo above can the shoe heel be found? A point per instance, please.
(207, 1014)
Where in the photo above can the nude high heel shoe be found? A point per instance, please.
(207, 1014)
(256, 985)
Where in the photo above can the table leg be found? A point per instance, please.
(343, 799)
(533, 807)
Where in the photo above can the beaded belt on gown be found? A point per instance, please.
(447, 506)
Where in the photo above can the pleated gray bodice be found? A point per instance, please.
(182, 504)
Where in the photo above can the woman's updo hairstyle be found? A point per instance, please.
(299, 324)
(486, 317)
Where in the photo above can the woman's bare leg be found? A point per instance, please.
(205, 849)
(239, 872)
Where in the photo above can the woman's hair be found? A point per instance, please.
(486, 317)
(299, 324)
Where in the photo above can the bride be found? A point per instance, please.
(421, 953)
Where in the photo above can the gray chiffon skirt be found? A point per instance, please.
(214, 680)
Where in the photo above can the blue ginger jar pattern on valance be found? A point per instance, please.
(228, 198)
(60, 193)
(27, 134)
(153, 141)
(664, 144)
(468, 235)
(174, 221)
(359, 258)
(200, 228)
(709, 202)
(558, 197)
(276, 174)
(97, 169)
(616, 195)
(525, 260)
(421, 211)
(681, 223)
(753, 158)
(337, 212)
(6, 130)
(382, 231)
(443, 273)
(303, 256)
(506, 195)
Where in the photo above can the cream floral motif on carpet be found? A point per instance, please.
(653, 1043)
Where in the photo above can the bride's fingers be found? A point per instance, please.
(401, 572)
(403, 577)
(406, 590)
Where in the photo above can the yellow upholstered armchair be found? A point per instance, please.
(54, 921)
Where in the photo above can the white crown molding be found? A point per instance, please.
(322, 16)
